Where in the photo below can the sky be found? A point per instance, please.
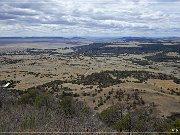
(101, 18)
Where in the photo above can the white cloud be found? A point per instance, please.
(91, 17)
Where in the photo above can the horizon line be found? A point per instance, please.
(89, 36)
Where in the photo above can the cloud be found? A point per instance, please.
(91, 17)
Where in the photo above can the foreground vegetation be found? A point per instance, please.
(38, 109)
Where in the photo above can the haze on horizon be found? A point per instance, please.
(150, 18)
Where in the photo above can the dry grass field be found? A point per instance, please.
(34, 70)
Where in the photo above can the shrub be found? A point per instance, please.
(43, 99)
(109, 116)
(66, 105)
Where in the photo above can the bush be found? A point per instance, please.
(28, 97)
(122, 124)
(37, 97)
(66, 105)
(110, 115)
(43, 99)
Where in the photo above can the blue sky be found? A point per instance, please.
(90, 18)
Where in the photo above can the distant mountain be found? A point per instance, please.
(145, 38)
(133, 39)
(78, 38)
(14, 40)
